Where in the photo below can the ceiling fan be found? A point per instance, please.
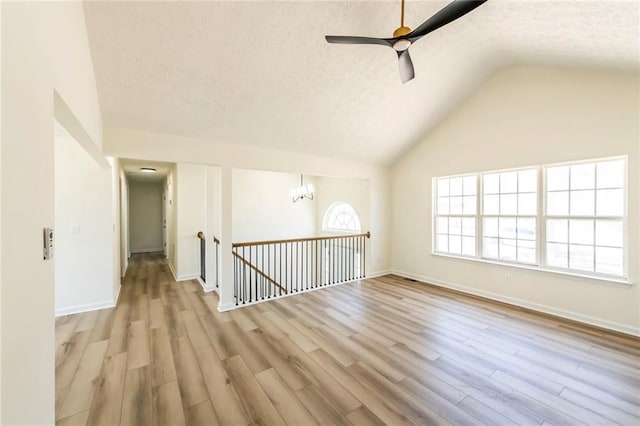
(403, 37)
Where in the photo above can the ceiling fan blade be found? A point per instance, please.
(447, 14)
(358, 40)
(406, 66)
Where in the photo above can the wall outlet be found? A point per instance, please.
(75, 229)
(507, 279)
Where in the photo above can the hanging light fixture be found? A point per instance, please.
(302, 191)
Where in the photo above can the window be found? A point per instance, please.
(561, 217)
(585, 215)
(341, 216)
(455, 217)
(509, 212)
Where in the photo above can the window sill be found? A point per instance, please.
(599, 280)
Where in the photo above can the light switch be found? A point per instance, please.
(75, 229)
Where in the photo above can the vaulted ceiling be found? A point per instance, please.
(261, 73)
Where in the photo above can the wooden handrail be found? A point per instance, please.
(216, 240)
(262, 274)
(295, 240)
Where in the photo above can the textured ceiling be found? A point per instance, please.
(261, 73)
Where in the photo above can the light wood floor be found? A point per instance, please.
(384, 350)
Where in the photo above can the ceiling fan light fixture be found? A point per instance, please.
(401, 45)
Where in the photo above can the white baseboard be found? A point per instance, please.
(205, 287)
(147, 250)
(116, 295)
(379, 273)
(172, 271)
(84, 308)
(227, 307)
(563, 313)
(188, 277)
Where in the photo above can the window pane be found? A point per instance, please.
(611, 174)
(469, 246)
(558, 203)
(469, 204)
(558, 230)
(583, 176)
(490, 248)
(509, 204)
(507, 227)
(455, 244)
(526, 251)
(491, 204)
(455, 205)
(443, 205)
(527, 180)
(490, 227)
(582, 203)
(581, 257)
(557, 178)
(442, 243)
(491, 183)
(455, 226)
(507, 249)
(469, 226)
(508, 182)
(443, 187)
(455, 187)
(610, 202)
(527, 204)
(442, 225)
(526, 229)
(609, 233)
(469, 185)
(557, 255)
(609, 260)
(581, 231)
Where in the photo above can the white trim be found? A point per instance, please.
(116, 295)
(204, 286)
(147, 250)
(587, 319)
(187, 277)
(379, 273)
(175, 278)
(84, 308)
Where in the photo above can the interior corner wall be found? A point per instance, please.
(42, 43)
(145, 216)
(125, 252)
(84, 231)
(116, 225)
(525, 116)
(191, 202)
(263, 208)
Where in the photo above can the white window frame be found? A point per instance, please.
(624, 219)
(541, 219)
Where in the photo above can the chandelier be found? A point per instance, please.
(302, 191)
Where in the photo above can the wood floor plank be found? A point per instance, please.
(137, 398)
(377, 351)
(107, 403)
(290, 408)
(225, 399)
(83, 386)
(162, 365)
(257, 406)
(202, 414)
(167, 405)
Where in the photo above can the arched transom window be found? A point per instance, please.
(341, 216)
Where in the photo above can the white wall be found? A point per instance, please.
(125, 251)
(145, 216)
(354, 191)
(83, 229)
(171, 206)
(116, 225)
(44, 51)
(263, 208)
(213, 225)
(191, 218)
(525, 116)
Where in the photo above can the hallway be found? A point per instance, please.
(383, 350)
